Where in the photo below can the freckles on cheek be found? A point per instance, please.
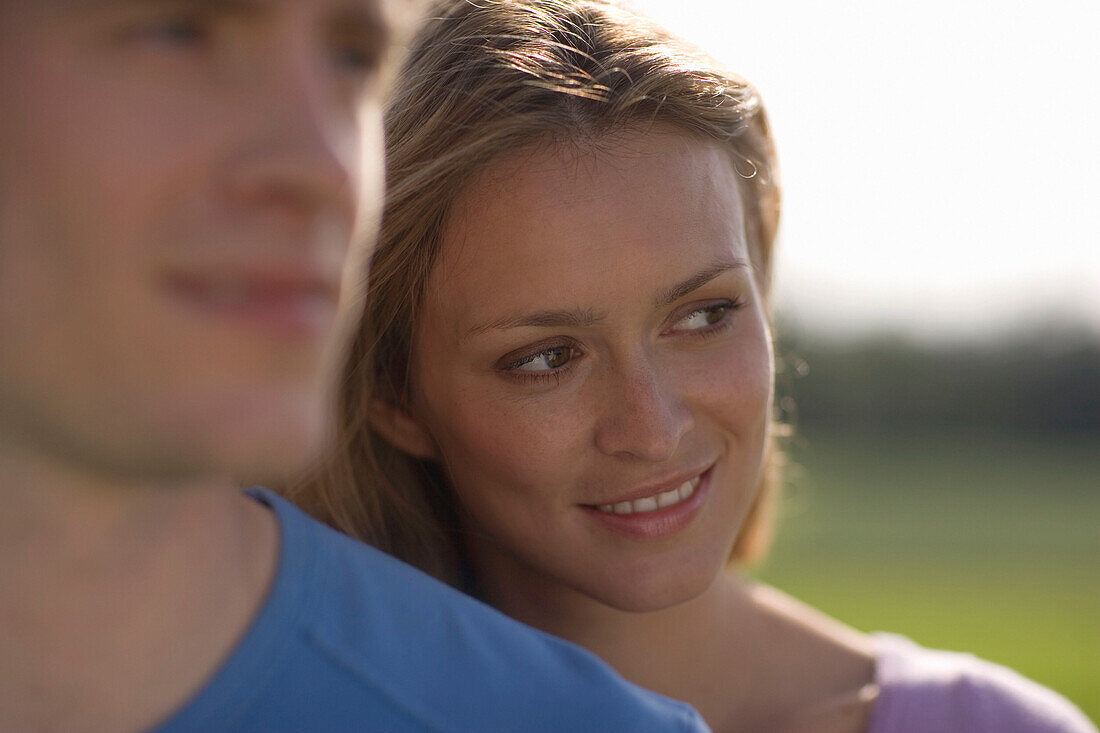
(513, 446)
(493, 438)
(740, 388)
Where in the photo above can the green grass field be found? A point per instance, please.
(975, 542)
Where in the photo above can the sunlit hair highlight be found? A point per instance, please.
(483, 80)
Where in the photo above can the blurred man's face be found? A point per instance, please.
(179, 183)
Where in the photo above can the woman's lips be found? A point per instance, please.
(654, 517)
(672, 497)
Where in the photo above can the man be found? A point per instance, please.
(179, 182)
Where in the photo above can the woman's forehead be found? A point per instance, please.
(545, 198)
(553, 220)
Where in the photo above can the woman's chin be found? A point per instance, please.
(655, 591)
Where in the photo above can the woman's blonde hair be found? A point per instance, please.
(486, 78)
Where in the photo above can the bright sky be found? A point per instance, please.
(940, 160)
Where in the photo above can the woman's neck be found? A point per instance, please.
(686, 652)
(745, 656)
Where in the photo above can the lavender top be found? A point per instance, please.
(927, 690)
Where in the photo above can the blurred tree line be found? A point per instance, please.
(1044, 379)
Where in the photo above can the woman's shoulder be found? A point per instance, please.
(923, 689)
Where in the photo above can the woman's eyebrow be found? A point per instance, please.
(552, 318)
(585, 318)
(700, 279)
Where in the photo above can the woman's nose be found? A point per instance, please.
(644, 416)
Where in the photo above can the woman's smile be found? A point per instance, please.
(658, 514)
(651, 502)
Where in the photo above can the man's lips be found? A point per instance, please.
(288, 299)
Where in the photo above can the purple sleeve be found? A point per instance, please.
(926, 690)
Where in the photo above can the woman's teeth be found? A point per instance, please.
(655, 502)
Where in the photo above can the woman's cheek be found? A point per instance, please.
(735, 381)
(510, 439)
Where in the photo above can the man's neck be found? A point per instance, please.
(120, 599)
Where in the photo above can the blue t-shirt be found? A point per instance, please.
(350, 639)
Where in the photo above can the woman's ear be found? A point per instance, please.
(401, 430)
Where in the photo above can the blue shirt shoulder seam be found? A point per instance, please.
(358, 673)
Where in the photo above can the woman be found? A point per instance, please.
(560, 398)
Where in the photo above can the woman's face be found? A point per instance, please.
(593, 367)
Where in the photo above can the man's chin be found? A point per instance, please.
(270, 454)
(256, 442)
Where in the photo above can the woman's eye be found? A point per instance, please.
(703, 318)
(545, 361)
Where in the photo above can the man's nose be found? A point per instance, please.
(643, 415)
(302, 159)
